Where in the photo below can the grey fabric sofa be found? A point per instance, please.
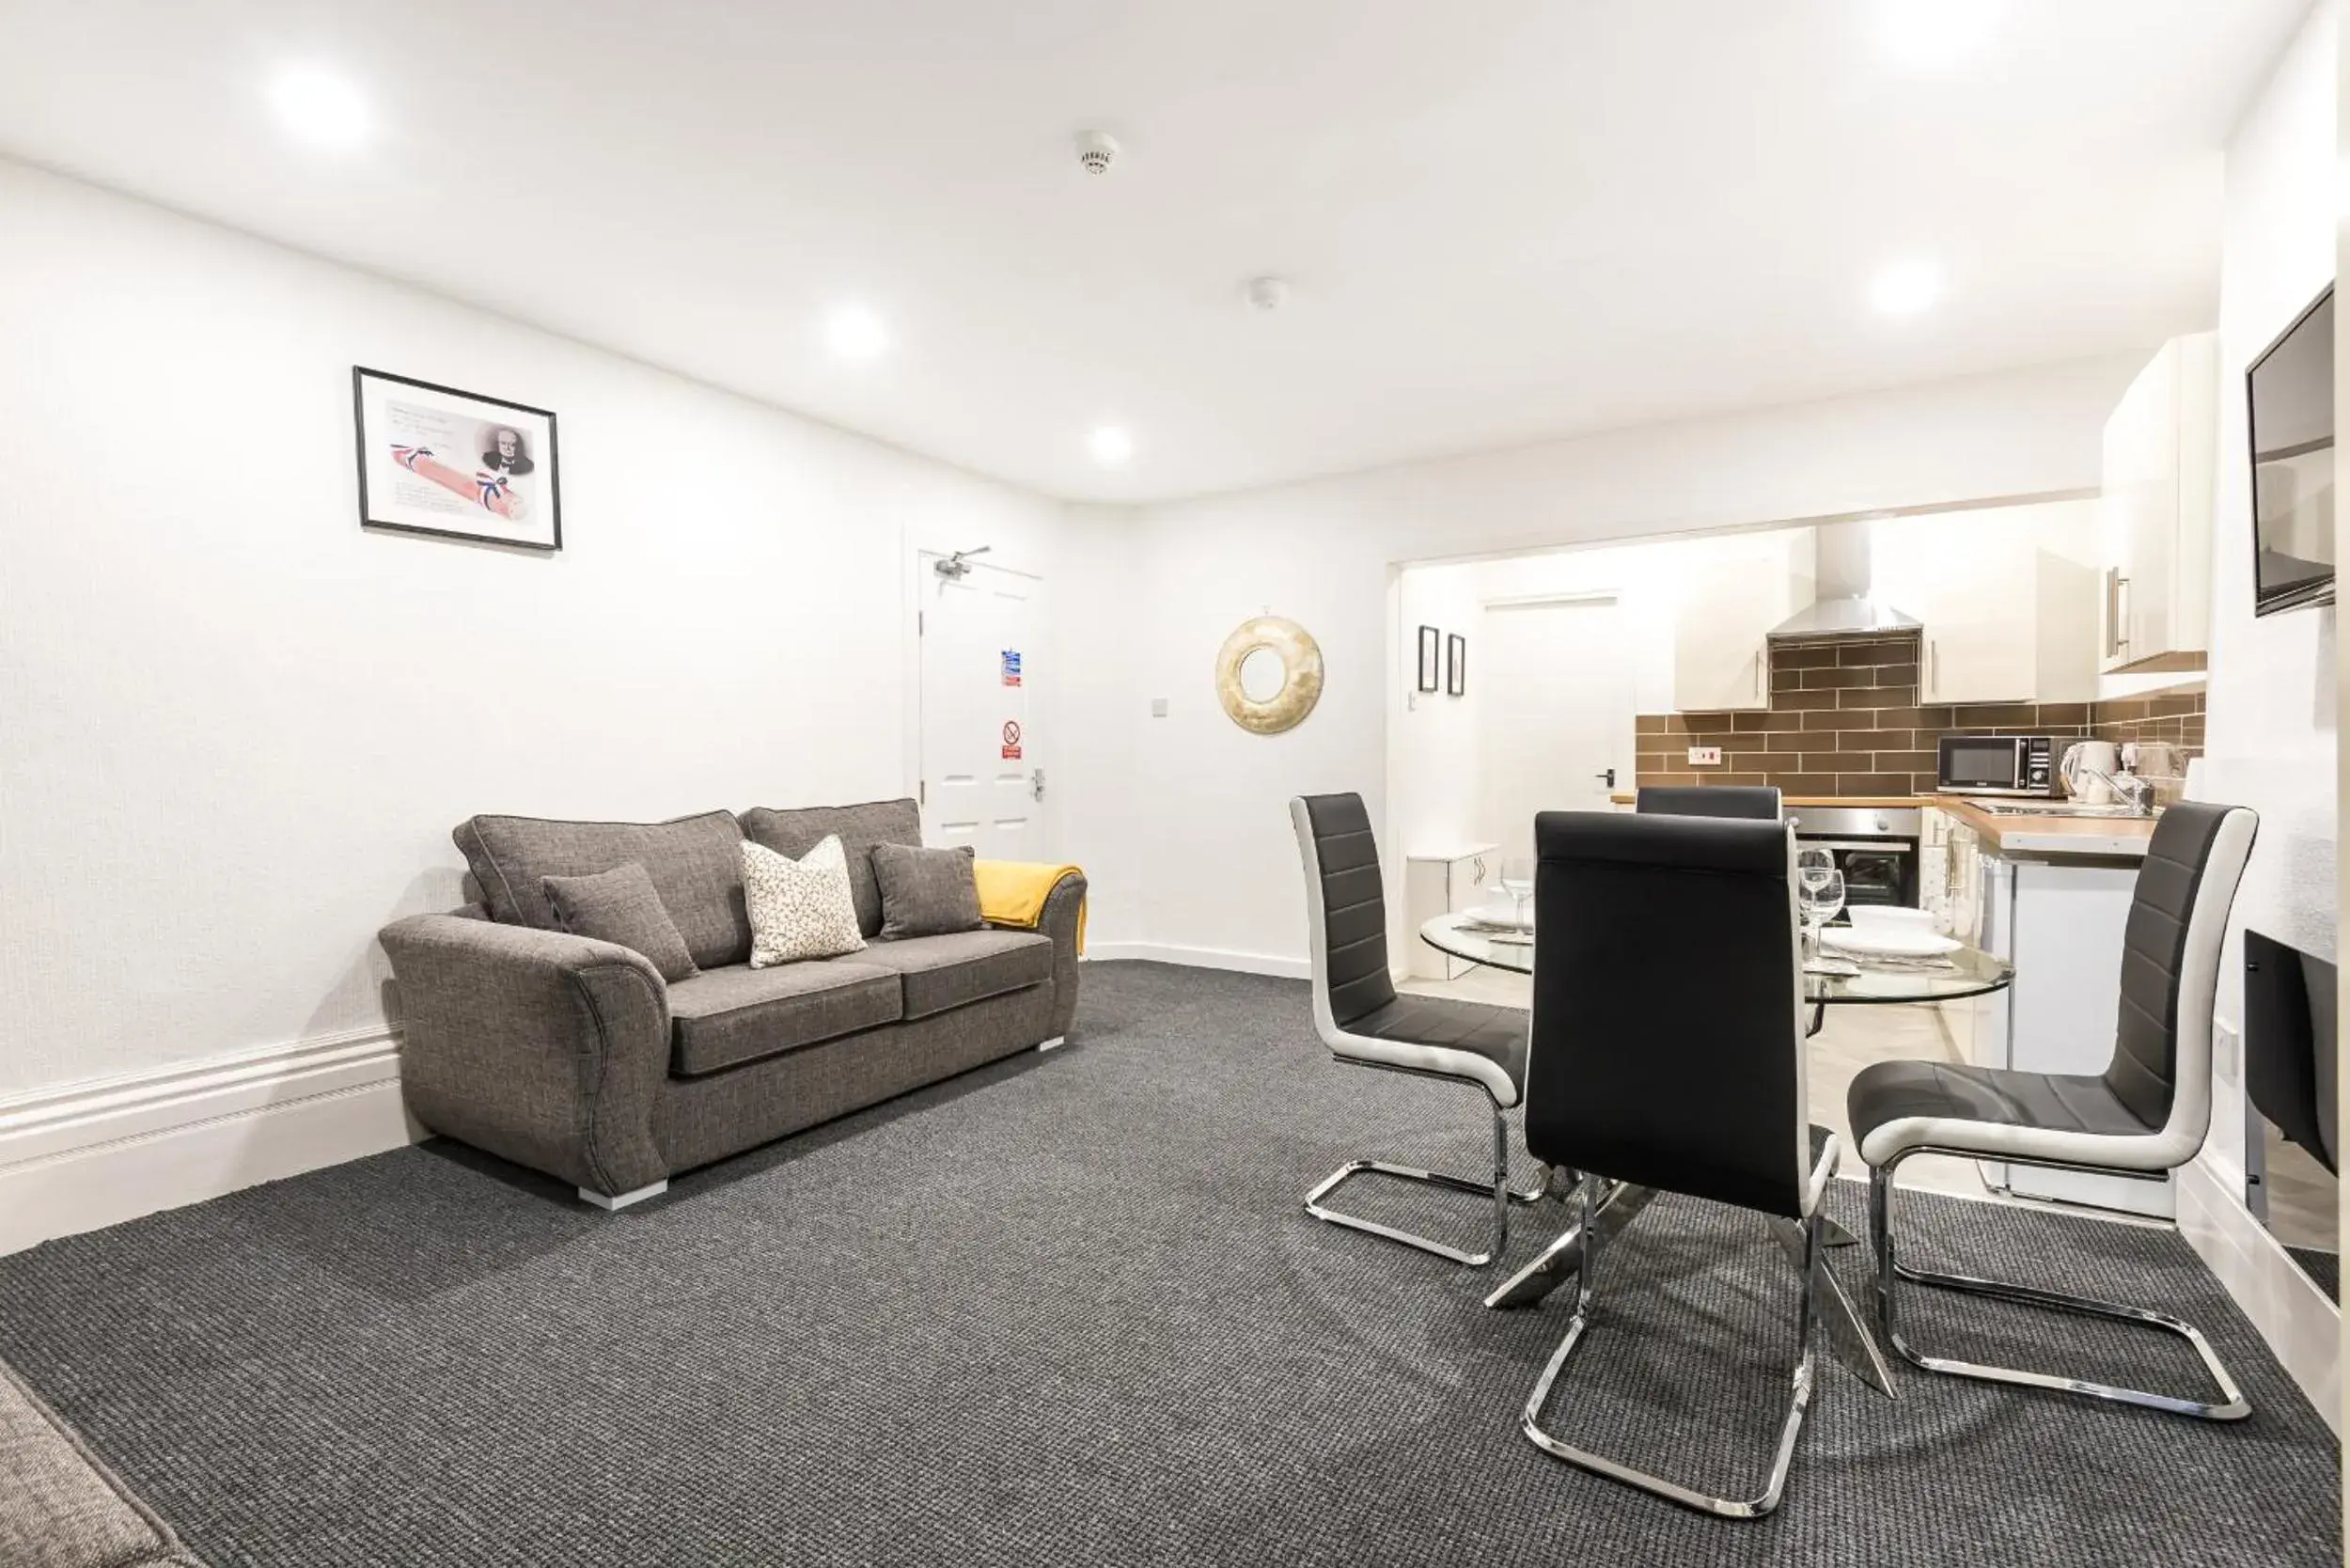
(574, 1058)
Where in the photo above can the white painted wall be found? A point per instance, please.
(1215, 875)
(1435, 762)
(2270, 734)
(237, 730)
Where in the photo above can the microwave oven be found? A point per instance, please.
(1996, 766)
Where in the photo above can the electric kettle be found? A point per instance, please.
(2086, 768)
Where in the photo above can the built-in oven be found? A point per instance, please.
(1876, 849)
(1996, 766)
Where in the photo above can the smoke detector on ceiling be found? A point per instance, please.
(1096, 151)
(1267, 293)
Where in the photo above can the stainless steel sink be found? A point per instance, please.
(2051, 808)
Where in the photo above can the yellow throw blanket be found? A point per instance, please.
(1012, 892)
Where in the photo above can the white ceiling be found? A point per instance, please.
(1502, 219)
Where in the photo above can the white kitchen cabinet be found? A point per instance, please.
(2006, 597)
(1445, 882)
(1731, 591)
(2154, 610)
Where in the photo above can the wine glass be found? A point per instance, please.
(1819, 898)
(1814, 864)
(1517, 880)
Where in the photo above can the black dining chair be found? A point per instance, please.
(1363, 1022)
(1667, 1051)
(2145, 1115)
(1755, 801)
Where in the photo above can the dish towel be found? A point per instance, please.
(1012, 892)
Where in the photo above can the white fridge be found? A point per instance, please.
(2061, 922)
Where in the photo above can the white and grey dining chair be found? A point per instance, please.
(2145, 1115)
(1668, 1052)
(1365, 1023)
(1757, 801)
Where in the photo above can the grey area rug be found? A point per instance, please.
(1067, 1311)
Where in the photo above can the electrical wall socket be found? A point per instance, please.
(1705, 756)
(1158, 707)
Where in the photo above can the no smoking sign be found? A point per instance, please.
(1012, 740)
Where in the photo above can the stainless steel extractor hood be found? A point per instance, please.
(1846, 606)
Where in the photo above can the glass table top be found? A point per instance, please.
(1971, 973)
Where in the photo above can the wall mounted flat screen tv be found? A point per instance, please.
(2292, 392)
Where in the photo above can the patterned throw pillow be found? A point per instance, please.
(799, 908)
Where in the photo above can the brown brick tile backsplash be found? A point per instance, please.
(1845, 719)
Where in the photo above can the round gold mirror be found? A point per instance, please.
(1268, 675)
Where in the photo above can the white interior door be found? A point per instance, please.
(1555, 715)
(982, 770)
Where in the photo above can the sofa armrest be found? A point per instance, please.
(1060, 920)
(546, 1048)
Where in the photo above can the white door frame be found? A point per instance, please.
(910, 642)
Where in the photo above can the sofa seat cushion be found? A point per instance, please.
(696, 864)
(943, 972)
(723, 1018)
(859, 828)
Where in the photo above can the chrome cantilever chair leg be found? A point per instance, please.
(1498, 1187)
(1729, 1507)
(2233, 1406)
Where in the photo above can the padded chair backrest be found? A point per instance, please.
(1756, 801)
(2161, 1066)
(1667, 1039)
(1346, 909)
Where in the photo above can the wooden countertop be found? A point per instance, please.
(2051, 835)
(1880, 802)
(2040, 836)
(1876, 803)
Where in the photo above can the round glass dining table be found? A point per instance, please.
(1967, 972)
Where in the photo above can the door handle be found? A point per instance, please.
(1608, 778)
(1035, 785)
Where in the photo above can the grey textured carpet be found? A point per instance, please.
(1066, 1310)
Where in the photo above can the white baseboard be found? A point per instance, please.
(85, 1155)
(2293, 1315)
(1204, 958)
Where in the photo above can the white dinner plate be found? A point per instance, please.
(1893, 942)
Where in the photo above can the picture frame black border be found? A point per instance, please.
(359, 449)
(2308, 595)
(1455, 665)
(1431, 660)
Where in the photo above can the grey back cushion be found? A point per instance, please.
(860, 828)
(622, 905)
(926, 892)
(696, 864)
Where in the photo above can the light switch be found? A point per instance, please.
(1158, 707)
(1705, 756)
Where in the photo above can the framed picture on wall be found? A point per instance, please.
(1456, 665)
(433, 460)
(1431, 671)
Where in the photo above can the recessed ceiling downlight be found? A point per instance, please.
(320, 107)
(857, 333)
(1111, 443)
(1906, 287)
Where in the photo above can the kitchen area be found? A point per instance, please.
(1976, 710)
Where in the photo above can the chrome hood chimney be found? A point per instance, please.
(1845, 606)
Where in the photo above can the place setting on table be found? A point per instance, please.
(1880, 954)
